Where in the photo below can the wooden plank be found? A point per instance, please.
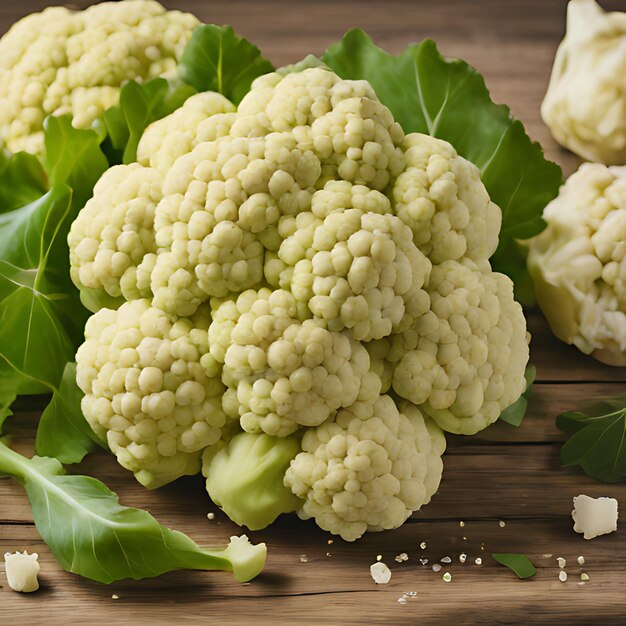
(338, 588)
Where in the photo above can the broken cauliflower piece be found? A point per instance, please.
(22, 570)
(594, 516)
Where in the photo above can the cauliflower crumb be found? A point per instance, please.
(380, 573)
(22, 570)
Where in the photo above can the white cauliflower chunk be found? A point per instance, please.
(578, 263)
(441, 197)
(22, 570)
(463, 362)
(370, 468)
(353, 263)
(146, 392)
(585, 103)
(594, 516)
(112, 242)
(282, 373)
(62, 61)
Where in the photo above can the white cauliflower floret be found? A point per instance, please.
(367, 470)
(112, 243)
(218, 200)
(463, 362)
(355, 269)
(177, 134)
(585, 104)
(441, 197)
(61, 61)
(146, 392)
(578, 263)
(281, 372)
(352, 132)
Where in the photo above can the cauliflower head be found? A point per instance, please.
(578, 263)
(333, 277)
(146, 393)
(586, 98)
(63, 61)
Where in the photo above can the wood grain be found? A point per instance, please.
(505, 473)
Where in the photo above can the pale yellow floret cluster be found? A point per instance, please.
(112, 243)
(368, 469)
(146, 392)
(340, 260)
(63, 61)
(353, 262)
(579, 262)
(281, 372)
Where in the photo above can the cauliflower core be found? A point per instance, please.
(340, 260)
(62, 61)
(578, 263)
(146, 392)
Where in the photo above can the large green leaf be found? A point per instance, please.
(93, 535)
(41, 318)
(598, 440)
(216, 59)
(22, 180)
(139, 106)
(63, 431)
(520, 564)
(448, 99)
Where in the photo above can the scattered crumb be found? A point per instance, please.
(584, 576)
(424, 561)
(423, 545)
(115, 597)
(401, 600)
(594, 516)
(446, 559)
(478, 561)
(403, 556)
(330, 542)
(380, 573)
(447, 577)
(328, 554)
(436, 567)
(462, 557)
(581, 560)
(547, 556)
(502, 523)
(210, 516)
(561, 561)
(562, 576)
(464, 538)
(379, 557)
(303, 558)
(412, 594)
(462, 524)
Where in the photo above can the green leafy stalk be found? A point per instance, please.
(514, 413)
(22, 180)
(91, 534)
(520, 564)
(216, 59)
(597, 443)
(63, 431)
(448, 99)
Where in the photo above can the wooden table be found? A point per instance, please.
(506, 485)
